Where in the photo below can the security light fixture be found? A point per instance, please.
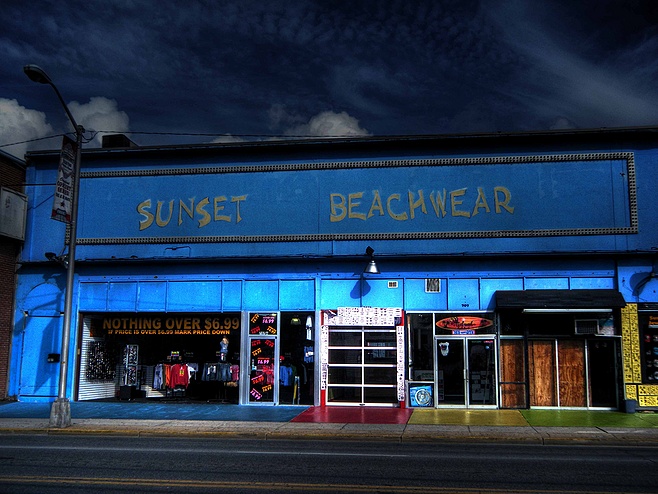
(371, 267)
(62, 260)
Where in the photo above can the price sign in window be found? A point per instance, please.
(263, 324)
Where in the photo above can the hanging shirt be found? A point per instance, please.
(192, 369)
(210, 372)
(286, 375)
(157, 377)
(166, 370)
(180, 375)
(235, 372)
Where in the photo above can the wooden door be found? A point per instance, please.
(512, 374)
(571, 358)
(541, 365)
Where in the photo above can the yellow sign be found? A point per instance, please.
(165, 325)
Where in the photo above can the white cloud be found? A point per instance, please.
(227, 139)
(21, 124)
(329, 124)
(100, 114)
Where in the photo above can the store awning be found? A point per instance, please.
(556, 300)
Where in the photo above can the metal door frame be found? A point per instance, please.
(362, 330)
(246, 357)
(466, 374)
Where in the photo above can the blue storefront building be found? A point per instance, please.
(491, 271)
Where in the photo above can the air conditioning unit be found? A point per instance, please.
(587, 326)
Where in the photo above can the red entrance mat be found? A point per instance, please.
(355, 415)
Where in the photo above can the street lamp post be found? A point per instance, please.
(60, 413)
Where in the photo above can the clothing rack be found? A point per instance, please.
(175, 378)
(221, 373)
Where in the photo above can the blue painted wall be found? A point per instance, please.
(466, 285)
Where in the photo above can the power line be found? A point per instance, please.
(31, 140)
(226, 134)
(182, 134)
(94, 133)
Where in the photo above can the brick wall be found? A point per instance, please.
(12, 175)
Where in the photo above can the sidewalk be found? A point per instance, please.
(341, 423)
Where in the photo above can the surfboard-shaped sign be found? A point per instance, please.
(461, 323)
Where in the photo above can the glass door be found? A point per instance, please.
(262, 372)
(465, 372)
(450, 372)
(263, 358)
(481, 372)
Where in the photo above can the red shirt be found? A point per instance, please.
(179, 375)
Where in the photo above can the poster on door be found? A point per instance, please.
(261, 376)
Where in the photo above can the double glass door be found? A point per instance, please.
(465, 371)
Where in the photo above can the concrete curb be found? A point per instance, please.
(341, 432)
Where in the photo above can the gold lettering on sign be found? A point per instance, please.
(180, 325)
(190, 210)
(395, 216)
(458, 203)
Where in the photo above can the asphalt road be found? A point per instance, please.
(99, 464)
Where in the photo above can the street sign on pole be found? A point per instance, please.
(64, 187)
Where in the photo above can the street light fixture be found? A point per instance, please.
(60, 413)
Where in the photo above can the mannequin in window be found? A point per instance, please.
(223, 349)
(224, 366)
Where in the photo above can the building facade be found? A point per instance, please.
(512, 271)
(12, 224)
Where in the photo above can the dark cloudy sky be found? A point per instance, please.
(237, 69)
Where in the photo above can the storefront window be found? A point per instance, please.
(297, 358)
(568, 324)
(567, 360)
(648, 322)
(512, 323)
(195, 356)
(421, 335)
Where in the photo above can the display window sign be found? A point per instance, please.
(649, 344)
(155, 325)
(263, 324)
(465, 324)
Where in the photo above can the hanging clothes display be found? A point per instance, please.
(218, 371)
